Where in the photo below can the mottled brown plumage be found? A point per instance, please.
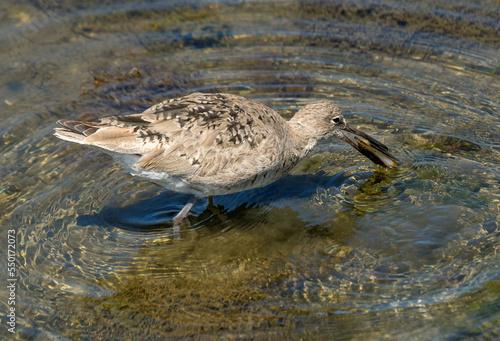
(213, 144)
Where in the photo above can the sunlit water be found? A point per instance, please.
(338, 249)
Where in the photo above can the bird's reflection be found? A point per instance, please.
(157, 212)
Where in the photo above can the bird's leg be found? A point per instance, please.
(215, 210)
(183, 213)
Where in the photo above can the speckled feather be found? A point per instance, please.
(205, 144)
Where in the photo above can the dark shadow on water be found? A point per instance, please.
(157, 212)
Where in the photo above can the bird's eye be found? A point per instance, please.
(336, 120)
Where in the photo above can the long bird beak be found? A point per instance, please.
(377, 152)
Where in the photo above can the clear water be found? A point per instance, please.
(338, 249)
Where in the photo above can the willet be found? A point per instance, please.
(214, 144)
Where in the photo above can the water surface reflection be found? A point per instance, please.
(337, 249)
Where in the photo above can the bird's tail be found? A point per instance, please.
(74, 131)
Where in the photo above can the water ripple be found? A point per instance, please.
(338, 245)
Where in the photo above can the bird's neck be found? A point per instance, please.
(304, 137)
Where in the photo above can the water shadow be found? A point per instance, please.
(157, 212)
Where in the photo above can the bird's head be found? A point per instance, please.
(324, 119)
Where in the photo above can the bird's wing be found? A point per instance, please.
(196, 135)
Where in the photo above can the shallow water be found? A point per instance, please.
(338, 249)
